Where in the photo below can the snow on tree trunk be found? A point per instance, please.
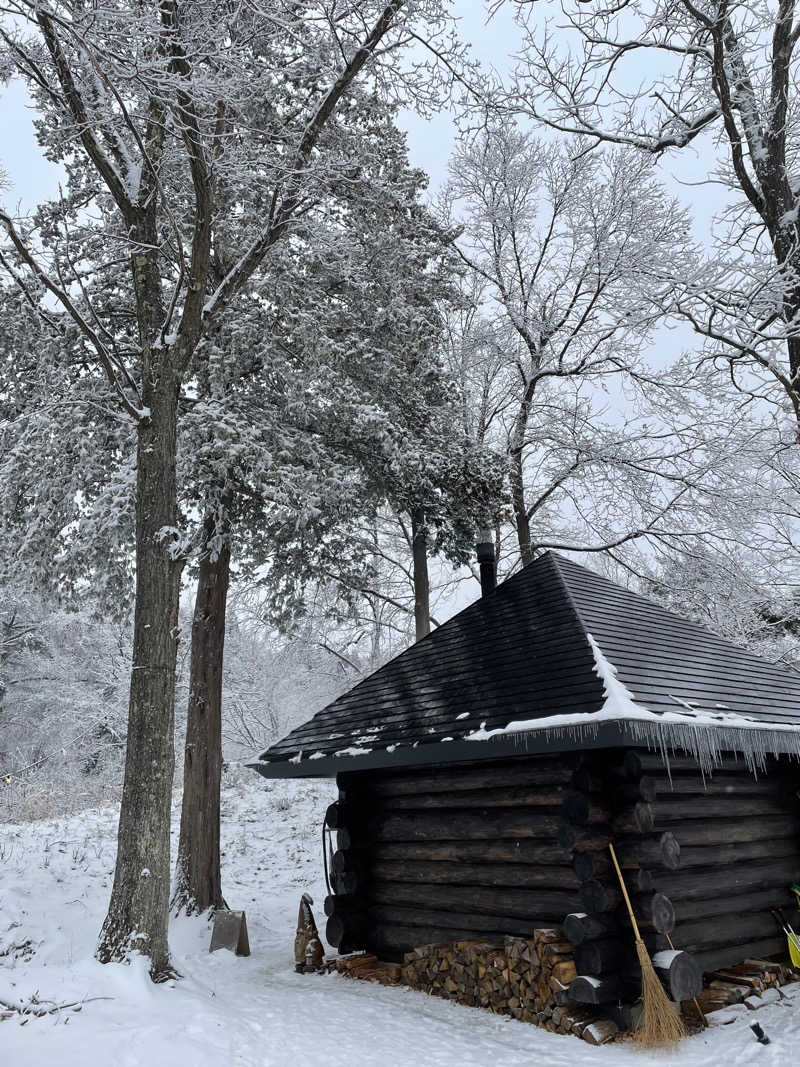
(138, 911)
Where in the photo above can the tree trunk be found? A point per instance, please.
(521, 521)
(197, 878)
(139, 908)
(422, 589)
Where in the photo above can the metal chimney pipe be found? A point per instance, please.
(485, 551)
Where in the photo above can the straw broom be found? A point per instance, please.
(661, 1024)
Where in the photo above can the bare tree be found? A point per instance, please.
(558, 244)
(661, 75)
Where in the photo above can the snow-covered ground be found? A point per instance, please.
(55, 879)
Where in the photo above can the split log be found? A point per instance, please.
(524, 876)
(544, 905)
(526, 771)
(525, 851)
(457, 826)
(579, 927)
(586, 989)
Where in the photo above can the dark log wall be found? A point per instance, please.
(492, 849)
(704, 859)
(438, 855)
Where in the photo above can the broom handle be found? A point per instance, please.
(625, 893)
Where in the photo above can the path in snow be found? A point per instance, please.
(55, 878)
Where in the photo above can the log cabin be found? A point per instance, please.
(483, 772)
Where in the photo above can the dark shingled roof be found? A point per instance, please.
(524, 653)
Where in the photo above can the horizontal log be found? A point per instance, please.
(703, 882)
(669, 809)
(639, 762)
(586, 989)
(696, 832)
(577, 839)
(517, 797)
(758, 901)
(680, 973)
(534, 905)
(649, 850)
(739, 852)
(531, 771)
(524, 876)
(392, 942)
(388, 915)
(726, 930)
(723, 784)
(465, 826)
(726, 955)
(524, 851)
(599, 957)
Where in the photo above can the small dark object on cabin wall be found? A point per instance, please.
(308, 953)
(761, 1037)
(230, 931)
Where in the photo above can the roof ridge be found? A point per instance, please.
(651, 603)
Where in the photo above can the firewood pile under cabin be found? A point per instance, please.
(484, 772)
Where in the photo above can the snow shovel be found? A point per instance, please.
(791, 936)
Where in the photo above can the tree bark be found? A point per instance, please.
(422, 589)
(198, 884)
(517, 482)
(139, 907)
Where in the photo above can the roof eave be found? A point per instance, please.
(705, 741)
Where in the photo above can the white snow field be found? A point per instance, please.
(55, 879)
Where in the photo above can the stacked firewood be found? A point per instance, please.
(745, 982)
(526, 978)
(367, 967)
